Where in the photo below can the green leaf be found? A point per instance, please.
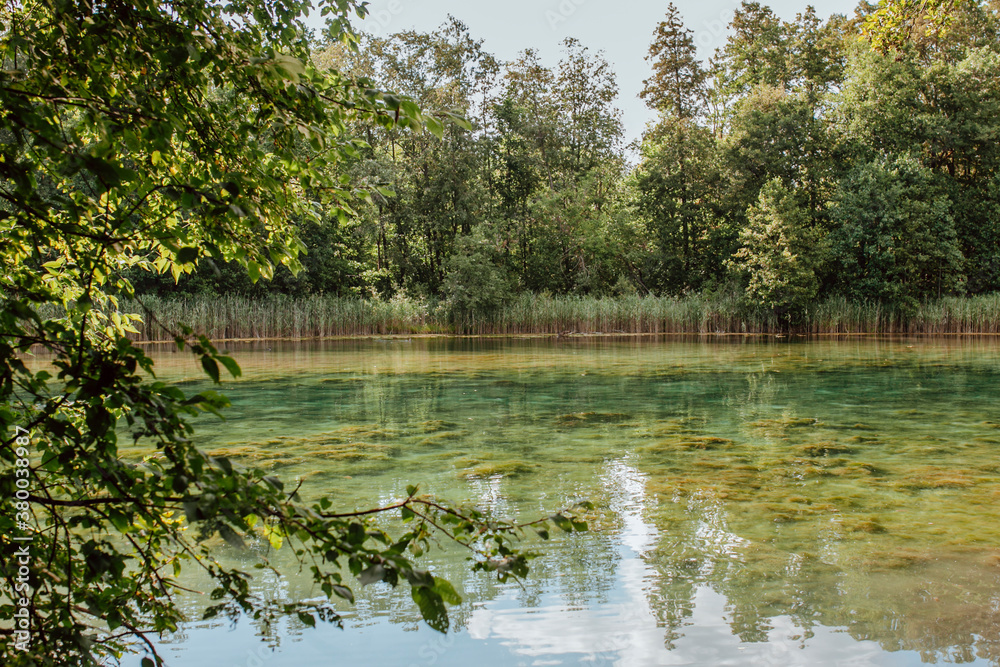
(461, 121)
(447, 592)
(274, 537)
(253, 268)
(224, 463)
(187, 255)
(434, 126)
(410, 108)
(231, 536)
(307, 619)
(119, 520)
(372, 574)
(344, 592)
(431, 607)
(230, 364)
(562, 522)
(420, 578)
(211, 368)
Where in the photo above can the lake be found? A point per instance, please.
(759, 501)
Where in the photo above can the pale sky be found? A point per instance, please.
(623, 30)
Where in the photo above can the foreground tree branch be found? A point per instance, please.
(152, 136)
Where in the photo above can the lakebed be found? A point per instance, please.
(775, 501)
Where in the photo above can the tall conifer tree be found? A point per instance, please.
(678, 80)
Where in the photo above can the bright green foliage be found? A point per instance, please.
(778, 135)
(580, 234)
(817, 52)
(557, 169)
(439, 195)
(673, 180)
(541, 163)
(156, 136)
(948, 115)
(585, 92)
(757, 53)
(781, 252)
(894, 237)
(541, 135)
(898, 24)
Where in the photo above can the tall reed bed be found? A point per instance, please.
(948, 315)
(542, 314)
(233, 317)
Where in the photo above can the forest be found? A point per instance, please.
(810, 161)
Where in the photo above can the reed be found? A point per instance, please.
(234, 317)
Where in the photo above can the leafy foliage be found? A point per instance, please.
(158, 137)
(540, 170)
(895, 234)
(780, 252)
(163, 147)
(475, 284)
(678, 77)
(896, 24)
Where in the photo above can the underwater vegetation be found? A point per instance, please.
(852, 484)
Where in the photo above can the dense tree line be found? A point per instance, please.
(853, 156)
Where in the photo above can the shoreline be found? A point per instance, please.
(582, 336)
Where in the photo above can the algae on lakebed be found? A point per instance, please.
(584, 419)
(312, 450)
(800, 494)
(470, 467)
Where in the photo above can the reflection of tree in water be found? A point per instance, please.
(810, 494)
(773, 554)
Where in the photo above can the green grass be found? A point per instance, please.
(231, 317)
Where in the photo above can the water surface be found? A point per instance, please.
(775, 502)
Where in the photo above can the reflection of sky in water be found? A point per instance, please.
(743, 495)
(625, 632)
(622, 631)
(552, 635)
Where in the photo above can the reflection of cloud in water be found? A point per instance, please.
(624, 631)
(627, 635)
(714, 534)
(490, 495)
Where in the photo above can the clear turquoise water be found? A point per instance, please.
(760, 501)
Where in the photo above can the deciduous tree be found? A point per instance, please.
(781, 253)
(157, 135)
